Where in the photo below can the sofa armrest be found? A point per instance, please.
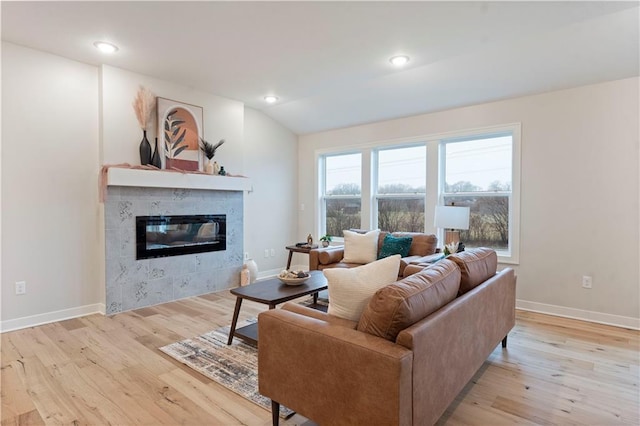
(324, 256)
(333, 374)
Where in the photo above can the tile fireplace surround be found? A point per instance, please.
(131, 283)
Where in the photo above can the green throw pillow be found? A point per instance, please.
(395, 245)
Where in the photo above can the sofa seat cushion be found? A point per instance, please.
(343, 265)
(476, 266)
(360, 248)
(406, 261)
(413, 269)
(432, 258)
(403, 303)
(322, 316)
(350, 289)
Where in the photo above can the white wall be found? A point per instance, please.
(61, 121)
(270, 212)
(223, 118)
(49, 185)
(579, 191)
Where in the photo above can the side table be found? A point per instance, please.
(298, 249)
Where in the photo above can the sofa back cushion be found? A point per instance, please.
(421, 244)
(476, 266)
(395, 245)
(350, 289)
(403, 303)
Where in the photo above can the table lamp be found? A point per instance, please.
(452, 218)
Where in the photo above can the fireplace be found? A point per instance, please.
(161, 236)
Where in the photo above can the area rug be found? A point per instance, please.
(234, 367)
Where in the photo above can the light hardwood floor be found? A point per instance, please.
(107, 370)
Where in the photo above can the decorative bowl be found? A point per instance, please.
(293, 281)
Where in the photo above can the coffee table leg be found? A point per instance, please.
(234, 322)
(315, 298)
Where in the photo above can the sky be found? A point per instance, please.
(480, 162)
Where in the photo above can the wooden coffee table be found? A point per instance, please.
(272, 292)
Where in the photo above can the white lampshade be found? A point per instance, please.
(452, 217)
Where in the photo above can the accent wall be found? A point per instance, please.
(579, 191)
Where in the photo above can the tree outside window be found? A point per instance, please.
(478, 176)
(401, 189)
(342, 193)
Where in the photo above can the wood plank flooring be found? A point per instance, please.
(100, 370)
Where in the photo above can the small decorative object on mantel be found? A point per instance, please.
(143, 105)
(309, 239)
(325, 239)
(209, 152)
(216, 168)
(155, 159)
(222, 171)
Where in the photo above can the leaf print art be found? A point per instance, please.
(174, 135)
(180, 129)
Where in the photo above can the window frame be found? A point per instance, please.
(512, 254)
(323, 197)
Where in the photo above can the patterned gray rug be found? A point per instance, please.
(234, 367)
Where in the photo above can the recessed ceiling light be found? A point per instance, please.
(399, 60)
(105, 47)
(270, 99)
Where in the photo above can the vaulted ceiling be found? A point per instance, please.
(328, 62)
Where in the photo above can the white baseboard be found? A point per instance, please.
(580, 314)
(272, 273)
(65, 314)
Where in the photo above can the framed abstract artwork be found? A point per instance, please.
(180, 127)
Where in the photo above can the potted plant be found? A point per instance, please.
(209, 151)
(326, 239)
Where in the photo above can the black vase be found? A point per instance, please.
(155, 160)
(145, 149)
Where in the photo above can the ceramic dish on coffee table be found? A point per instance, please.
(293, 281)
(293, 277)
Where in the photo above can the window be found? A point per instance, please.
(400, 192)
(478, 174)
(342, 195)
(396, 186)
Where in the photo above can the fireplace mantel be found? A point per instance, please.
(160, 179)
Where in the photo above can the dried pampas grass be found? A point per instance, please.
(143, 104)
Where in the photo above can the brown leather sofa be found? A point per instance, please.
(418, 343)
(422, 247)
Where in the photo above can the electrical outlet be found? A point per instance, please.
(266, 252)
(273, 252)
(587, 281)
(21, 287)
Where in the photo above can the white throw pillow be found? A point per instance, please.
(351, 288)
(360, 248)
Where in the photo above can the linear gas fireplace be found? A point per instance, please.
(160, 236)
